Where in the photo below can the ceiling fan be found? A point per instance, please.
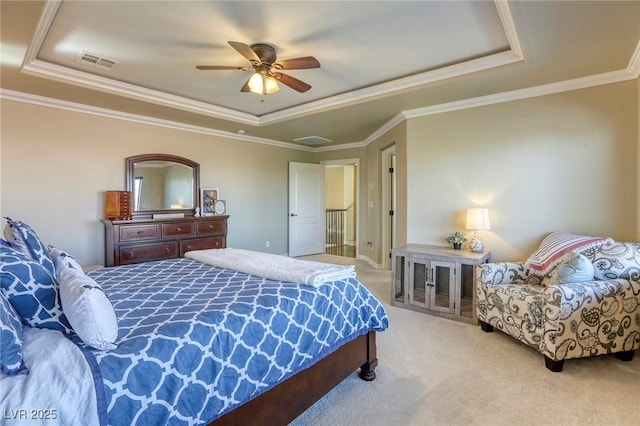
(266, 68)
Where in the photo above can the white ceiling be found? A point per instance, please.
(378, 58)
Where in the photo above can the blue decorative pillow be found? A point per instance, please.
(32, 291)
(87, 307)
(10, 339)
(24, 236)
(4, 243)
(574, 268)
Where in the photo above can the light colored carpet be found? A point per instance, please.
(434, 371)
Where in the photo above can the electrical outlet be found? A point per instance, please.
(267, 244)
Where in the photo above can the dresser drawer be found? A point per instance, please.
(201, 244)
(146, 252)
(178, 229)
(212, 227)
(142, 240)
(139, 232)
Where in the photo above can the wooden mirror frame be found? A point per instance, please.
(130, 178)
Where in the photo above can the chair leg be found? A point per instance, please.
(553, 365)
(487, 328)
(625, 356)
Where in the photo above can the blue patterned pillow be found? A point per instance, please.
(32, 291)
(24, 236)
(4, 243)
(10, 339)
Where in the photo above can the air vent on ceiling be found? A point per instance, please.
(313, 140)
(96, 61)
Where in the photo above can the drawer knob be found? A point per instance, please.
(166, 249)
(210, 226)
(140, 232)
(178, 229)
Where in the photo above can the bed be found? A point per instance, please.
(196, 344)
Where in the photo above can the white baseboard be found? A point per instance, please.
(370, 261)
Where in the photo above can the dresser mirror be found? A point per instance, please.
(162, 184)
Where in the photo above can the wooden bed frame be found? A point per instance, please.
(283, 403)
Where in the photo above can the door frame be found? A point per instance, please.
(388, 227)
(351, 162)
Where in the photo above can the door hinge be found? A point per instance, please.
(390, 212)
(389, 255)
(390, 169)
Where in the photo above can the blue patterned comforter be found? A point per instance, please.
(197, 341)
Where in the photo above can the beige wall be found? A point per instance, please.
(56, 165)
(561, 162)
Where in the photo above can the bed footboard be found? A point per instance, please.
(286, 401)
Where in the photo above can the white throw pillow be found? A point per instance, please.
(574, 268)
(88, 309)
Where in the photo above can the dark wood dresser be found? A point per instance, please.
(136, 241)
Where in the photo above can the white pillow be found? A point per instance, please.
(574, 268)
(87, 308)
(61, 259)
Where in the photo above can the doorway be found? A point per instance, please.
(342, 207)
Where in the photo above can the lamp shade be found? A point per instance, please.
(478, 219)
(263, 84)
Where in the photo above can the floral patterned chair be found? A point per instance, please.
(561, 310)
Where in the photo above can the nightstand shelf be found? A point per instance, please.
(436, 280)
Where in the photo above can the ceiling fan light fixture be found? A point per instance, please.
(267, 76)
(263, 85)
(271, 85)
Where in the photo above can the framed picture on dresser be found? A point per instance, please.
(208, 197)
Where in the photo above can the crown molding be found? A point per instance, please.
(41, 68)
(631, 72)
(141, 119)
(530, 92)
(33, 66)
(634, 63)
(392, 87)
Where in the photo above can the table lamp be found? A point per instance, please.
(477, 220)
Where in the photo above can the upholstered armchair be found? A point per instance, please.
(563, 311)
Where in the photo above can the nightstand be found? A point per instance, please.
(436, 280)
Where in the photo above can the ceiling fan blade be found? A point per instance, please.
(246, 87)
(299, 63)
(245, 50)
(220, 67)
(292, 82)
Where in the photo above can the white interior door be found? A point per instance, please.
(306, 209)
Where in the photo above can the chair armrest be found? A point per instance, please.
(499, 273)
(571, 298)
(591, 318)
